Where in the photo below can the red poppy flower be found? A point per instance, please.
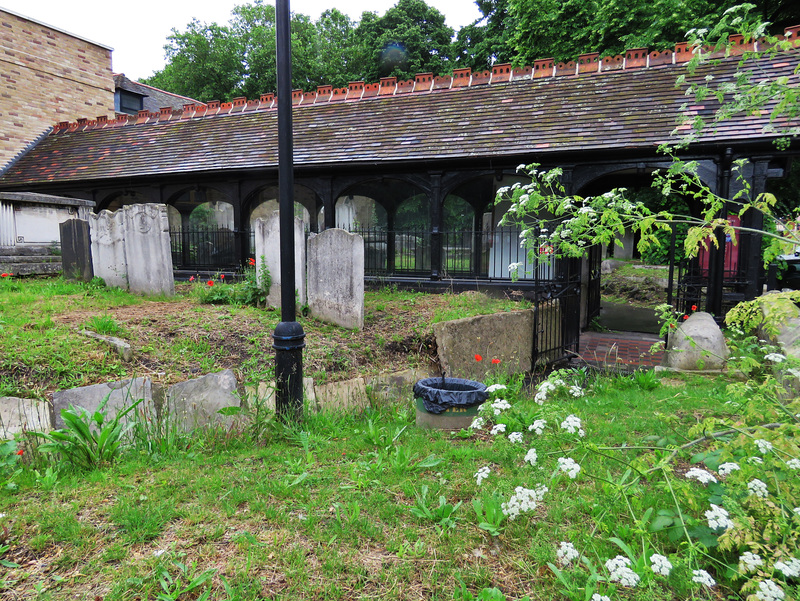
(496, 361)
(222, 276)
(210, 282)
(478, 358)
(20, 452)
(4, 275)
(672, 325)
(251, 261)
(694, 307)
(191, 279)
(685, 317)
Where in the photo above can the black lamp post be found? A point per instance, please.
(288, 338)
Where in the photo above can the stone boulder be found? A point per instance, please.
(785, 317)
(697, 344)
(196, 403)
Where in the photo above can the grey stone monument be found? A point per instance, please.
(268, 250)
(336, 278)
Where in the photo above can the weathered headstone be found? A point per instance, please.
(697, 344)
(268, 250)
(76, 250)
(147, 250)
(120, 395)
(336, 278)
(108, 248)
(131, 248)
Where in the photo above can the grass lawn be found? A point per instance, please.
(576, 490)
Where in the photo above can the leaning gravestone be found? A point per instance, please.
(268, 251)
(108, 248)
(697, 344)
(76, 250)
(131, 248)
(196, 403)
(147, 249)
(336, 278)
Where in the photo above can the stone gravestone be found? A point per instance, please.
(108, 249)
(147, 250)
(131, 249)
(336, 278)
(76, 250)
(268, 250)
(697, 344)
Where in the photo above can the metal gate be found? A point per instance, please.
(557, 316)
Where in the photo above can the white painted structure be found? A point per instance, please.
(29, 219)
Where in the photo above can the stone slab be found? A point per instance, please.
(195, 403)
(347, 395)
(265, 393)
(18, 415)
(268, 253)
(122, 348)
(507, 337)
(396, 386)
(119, 394)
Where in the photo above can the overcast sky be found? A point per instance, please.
(137, 31)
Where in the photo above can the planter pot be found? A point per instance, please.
(448, 403)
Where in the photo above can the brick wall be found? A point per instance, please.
(47, 76)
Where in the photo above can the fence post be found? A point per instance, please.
(436, 226)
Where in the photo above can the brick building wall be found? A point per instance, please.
(47, 76)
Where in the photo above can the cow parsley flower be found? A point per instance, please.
(477, 423)
(497, 428)
(702, 476)
(545, 388)
(775, 358)
(523, 499)
(764, 446)
(568, 466)
(790, 569)
(531, 457)
(566, 553)
(793, 464)
(576, 391)
(159, 552)
(718, 518)
(538, 426)
(703, 577)
(749, 562)
(482, 474)
(619, 571)
(769, 591)
(796, 511)
(660, 564)
(727, 468)
(515, 437)
(500, 405)
(573, 425)
(757, 488)
(755, 460)
(599, 597)
(496, 387)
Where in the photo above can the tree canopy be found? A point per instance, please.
(220, 62)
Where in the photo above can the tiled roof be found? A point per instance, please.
(539, 110)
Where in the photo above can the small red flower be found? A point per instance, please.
(251, 261)
(685, 317)
(672, 325)
(222, 276)
(210, 282)
(478, 358)
(694, 307)
(191, 279)
(496, 361)
(20, 452)
(4, 275)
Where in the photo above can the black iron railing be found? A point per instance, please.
(205, 249)
(461, 254)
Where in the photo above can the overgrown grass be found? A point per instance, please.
(177, 338)
(327, 509)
